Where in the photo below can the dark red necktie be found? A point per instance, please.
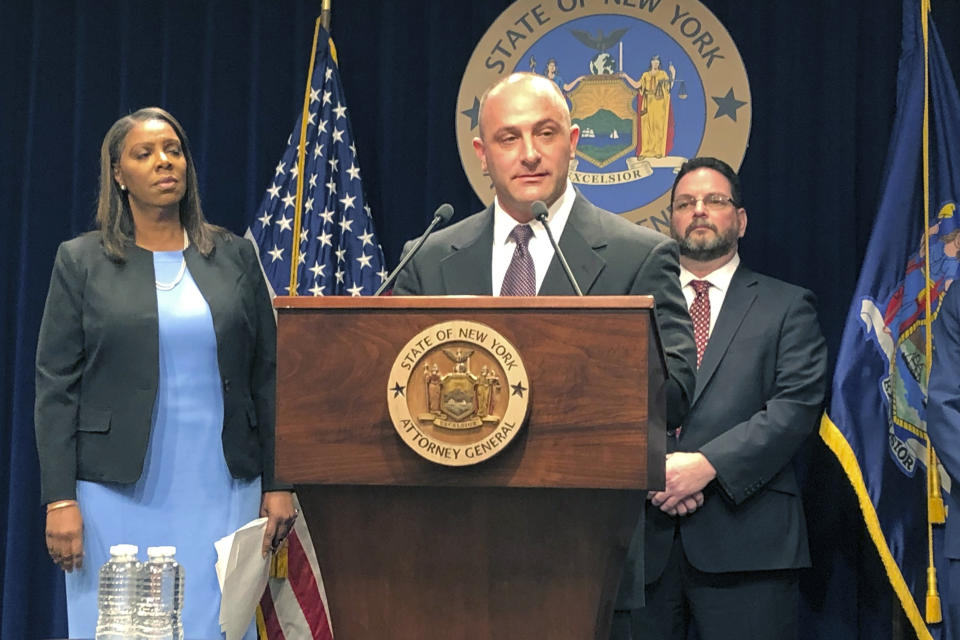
(700, 314)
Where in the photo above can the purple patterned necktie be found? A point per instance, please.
(700, 314)
(520, 279)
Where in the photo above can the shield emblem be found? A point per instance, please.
(458, 396)
(603, 107)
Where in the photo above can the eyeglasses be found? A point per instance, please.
(711, 202)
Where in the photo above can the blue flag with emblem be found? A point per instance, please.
(876, 422)
(336, 248)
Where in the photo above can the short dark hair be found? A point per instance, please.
(721, 167)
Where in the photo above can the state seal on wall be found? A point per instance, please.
(650, 84)
(458, 393)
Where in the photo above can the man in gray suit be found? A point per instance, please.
(526, 144)
(727, 536)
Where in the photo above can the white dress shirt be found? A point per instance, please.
(719, 280)
(540, 248)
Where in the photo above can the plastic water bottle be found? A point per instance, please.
(117, 594)
(160, 596)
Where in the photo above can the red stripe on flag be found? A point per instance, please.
(305, 588)
(270, 621)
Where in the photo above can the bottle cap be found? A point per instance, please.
(157, 552)
(124, 550)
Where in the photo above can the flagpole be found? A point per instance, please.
(301, 160)
(935, 509)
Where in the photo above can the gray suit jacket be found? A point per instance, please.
(608, 256)
(98, 362)
(759, 394)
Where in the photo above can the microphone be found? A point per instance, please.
(539, 210)
(442, 215)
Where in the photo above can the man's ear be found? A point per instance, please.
(574, 139)
(479, 148)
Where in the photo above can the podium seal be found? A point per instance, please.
(458, 393)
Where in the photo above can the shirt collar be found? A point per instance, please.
(557, 215)
(719, 278)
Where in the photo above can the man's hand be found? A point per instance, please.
(687, 475)
(687, 505)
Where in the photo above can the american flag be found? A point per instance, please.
(338, 249)
(338, 255)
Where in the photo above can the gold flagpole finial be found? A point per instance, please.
(325, 11)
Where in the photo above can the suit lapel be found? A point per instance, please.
(466, 271)
(738, 301)
(578, 243)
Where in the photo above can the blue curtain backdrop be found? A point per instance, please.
(823, 81)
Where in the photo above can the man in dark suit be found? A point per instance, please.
(526, 144)
(727, 536)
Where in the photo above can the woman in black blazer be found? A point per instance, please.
(155, 378)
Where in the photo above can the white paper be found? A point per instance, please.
(243, 572)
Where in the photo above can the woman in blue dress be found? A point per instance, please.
(155, 380)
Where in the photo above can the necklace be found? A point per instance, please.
(167, 286)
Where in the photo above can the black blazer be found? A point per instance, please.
(759, 394)
(98, 362)
(609, 256)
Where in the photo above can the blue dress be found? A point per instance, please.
(186, 496)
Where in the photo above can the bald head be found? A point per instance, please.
(526, 142)
(523, 83)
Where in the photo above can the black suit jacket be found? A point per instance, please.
(759, 394)
(608, 256)
(98, 362)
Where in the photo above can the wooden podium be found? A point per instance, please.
(528, 544)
